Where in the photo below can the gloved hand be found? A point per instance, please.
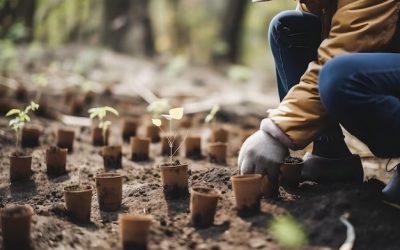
(262, 154)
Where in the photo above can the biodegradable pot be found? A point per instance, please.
(89, 97)
(112, 156)
(217, 152)
(134, 231)
(165, 149)
(175, 179)
(291, 171)
(203, 205)
(219, 135)
(21, 93)
(56, 160)
(109, 191)
(30, 136)
(16, 226)
(153, 132)
(65, 139)
(140, 148)
(129, 128)
(247, 190)
(186, 123)
(193, 147)
(97, 136)
(78, 200)
(267, 189)
(20, 166)
(76, 106)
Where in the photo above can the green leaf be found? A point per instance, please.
(112, 110)
(13, 112)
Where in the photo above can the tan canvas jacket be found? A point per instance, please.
(349, 26)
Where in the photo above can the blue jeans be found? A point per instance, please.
(294, 39)
(362, 92)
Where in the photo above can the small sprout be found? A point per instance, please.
(287, 232)
(21, 117)
(173, 114)
(158, 107)
(100, 113)
(211, 116)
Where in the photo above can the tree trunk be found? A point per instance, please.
(231, 29)
(18, 11)
(127, 27)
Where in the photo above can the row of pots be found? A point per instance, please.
(134, 229)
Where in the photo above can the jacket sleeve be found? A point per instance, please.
(310, 7)
(357, 26)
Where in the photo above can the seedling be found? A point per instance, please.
(41, 81)
(211, 116)
(173, 114)
(100, 113)
(21, 117)
(158, 107)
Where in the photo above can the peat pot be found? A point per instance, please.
(134, 231)
(291, 171)
(129, 128)
(153, 132)
(56, 160)
(174, 177)
(112, 156)
(203, 205)
(247, 190)
(109, 191)
(140, 148)
(217, 152)
(97, 137)
(193, 147)
(78, 200)
(20, 166)
(65, 139)
(16, 226)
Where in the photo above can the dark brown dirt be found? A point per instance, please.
(316, 207)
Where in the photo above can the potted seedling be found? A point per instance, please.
(174, 174)
(56, 160)
(112, 155)
(140, 147)
(203, 205)
(155, 109)
(78, 201)
(218, 133)
(217, 148)
(291, 171)
(134, 230)
(109, 191)
(247, 191)
(20, 163)
(65, 139)
(129, 128)
(16, 226)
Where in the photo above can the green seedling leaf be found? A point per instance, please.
(13, 112)
(176, 113)
(112, 110)
(288, 232)
(211, 116)
(156, 122)
(158, 107)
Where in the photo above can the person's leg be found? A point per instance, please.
(294, 38)
(362, 91)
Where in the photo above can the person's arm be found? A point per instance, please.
(357, 26)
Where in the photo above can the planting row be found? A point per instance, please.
(134, 228)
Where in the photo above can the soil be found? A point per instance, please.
(15, 211)
(54, 149)
(316, 207)
(76, 188)
(293, 160)
(19, 154)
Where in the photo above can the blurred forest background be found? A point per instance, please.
(198, 31)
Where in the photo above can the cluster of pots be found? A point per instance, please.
(134, 229)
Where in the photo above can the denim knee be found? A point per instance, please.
(333, 78)
(275, 29)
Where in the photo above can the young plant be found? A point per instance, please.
(211, 116)
(21, 117)
(41, 81)
(173, 114)
(158, 107)
(100, 113)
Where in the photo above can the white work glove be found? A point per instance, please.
(262, 154)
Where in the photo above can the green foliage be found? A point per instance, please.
(21, 117)
(288, 232)
(8, 55)
(100, 113)
(40, 80)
